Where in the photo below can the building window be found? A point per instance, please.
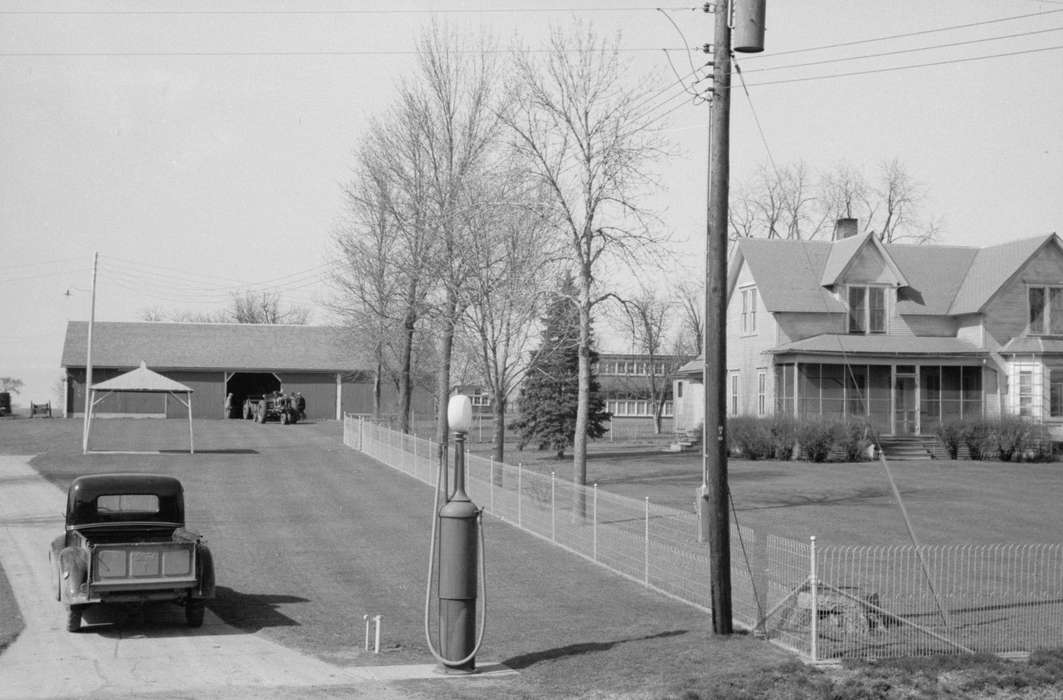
(1026, 393)
(762, 392)
(867, 309)
(1046, 310)
(1055, 393)
(749, 311)
(734, 394)
(679, 390)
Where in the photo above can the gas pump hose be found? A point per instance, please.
(428, 588)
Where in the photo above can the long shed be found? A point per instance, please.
(215, 359)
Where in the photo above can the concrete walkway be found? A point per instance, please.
(156, 656)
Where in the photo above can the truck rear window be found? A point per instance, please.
(147, 503)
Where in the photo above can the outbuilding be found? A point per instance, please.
(218, 359)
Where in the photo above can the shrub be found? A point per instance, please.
(854, 438)
(817, 438)
(1008, 436)
(783, 437)
(751, 436)
(976, 436)
(952, 435)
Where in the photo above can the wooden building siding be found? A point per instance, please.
(1007, 313)
(748, 352)
(869, 267)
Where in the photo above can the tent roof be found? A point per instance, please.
(141, 379)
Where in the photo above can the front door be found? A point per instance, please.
(905, 407)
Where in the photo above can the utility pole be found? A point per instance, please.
(88, 359)
(715, 523)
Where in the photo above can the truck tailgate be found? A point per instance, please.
(142, 565)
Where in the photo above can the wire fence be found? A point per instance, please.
(824, 603)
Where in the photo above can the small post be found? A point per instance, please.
(491, 481)
(553, 506)
(646, 546)
(365, 618)
(376, 643)
(813, 584)
(520, 490)
(594, 527)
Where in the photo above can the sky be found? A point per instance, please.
(201, 148)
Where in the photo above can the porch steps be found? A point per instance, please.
(905, 447)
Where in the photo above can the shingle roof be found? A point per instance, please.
(1032, 344)
(879, 345)
(788, 274)
(141, 379)
(992, 267)
(941, 279)
(220, 346)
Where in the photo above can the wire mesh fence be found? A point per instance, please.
(825, 603)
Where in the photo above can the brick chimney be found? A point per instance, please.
(845, 228)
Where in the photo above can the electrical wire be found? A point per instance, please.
(905, 51)
(389, 11)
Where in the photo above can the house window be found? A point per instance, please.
(762, 392)
(1046, 310)
(1025, 393)
(867, 309)
(749, 311)
(734, 394)
(1055, 393)
(679, 390)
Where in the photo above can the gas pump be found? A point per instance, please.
(457, 532)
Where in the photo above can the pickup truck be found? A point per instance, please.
(126, 543)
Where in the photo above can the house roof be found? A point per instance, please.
(830, 343)
(1032, 344)
(843, 252)
(143, 380)
(219, 346)
(939, 279)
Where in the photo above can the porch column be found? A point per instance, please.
(339, 396)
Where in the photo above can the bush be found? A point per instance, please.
(1008, 436)
(952, 435)
(817, 438)
(854, 438)
(783, 437)
(751, 436)
(976, 436)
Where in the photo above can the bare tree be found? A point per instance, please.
(690, 297)
(649, 320)
(580, 128)
(265, 307)
(512, 272)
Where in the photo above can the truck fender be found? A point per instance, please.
(72, 573)
(204, 571)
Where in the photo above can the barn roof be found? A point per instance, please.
(213, 346)
(141, 379)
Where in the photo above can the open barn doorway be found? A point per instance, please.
(245, 386)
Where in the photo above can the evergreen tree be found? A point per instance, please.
(550, 391)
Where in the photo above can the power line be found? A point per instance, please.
(905, 51)
(388, 11)
(282, 54)
(910, 66)
(904, 35)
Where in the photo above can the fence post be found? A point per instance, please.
(553, 506)
(491, 481)
(520, 489)
(813, 583)
(646, 546)
(594, 527)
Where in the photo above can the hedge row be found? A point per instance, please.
(786, 438)
(1000, 439)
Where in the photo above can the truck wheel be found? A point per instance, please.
(73, 618)
(194, 612)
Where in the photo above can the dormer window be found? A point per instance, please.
(867, 309)
(1046, 310)
(749, 311)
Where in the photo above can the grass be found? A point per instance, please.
(309, 536)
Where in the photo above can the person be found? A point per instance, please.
(229, 405)
(300, 405)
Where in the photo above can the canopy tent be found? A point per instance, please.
(140, 380)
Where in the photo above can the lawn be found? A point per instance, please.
(309, 536)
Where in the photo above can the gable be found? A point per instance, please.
(993, 267)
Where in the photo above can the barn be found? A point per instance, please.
(215, 359)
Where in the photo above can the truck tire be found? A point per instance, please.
(73, 618)
(194, 608)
